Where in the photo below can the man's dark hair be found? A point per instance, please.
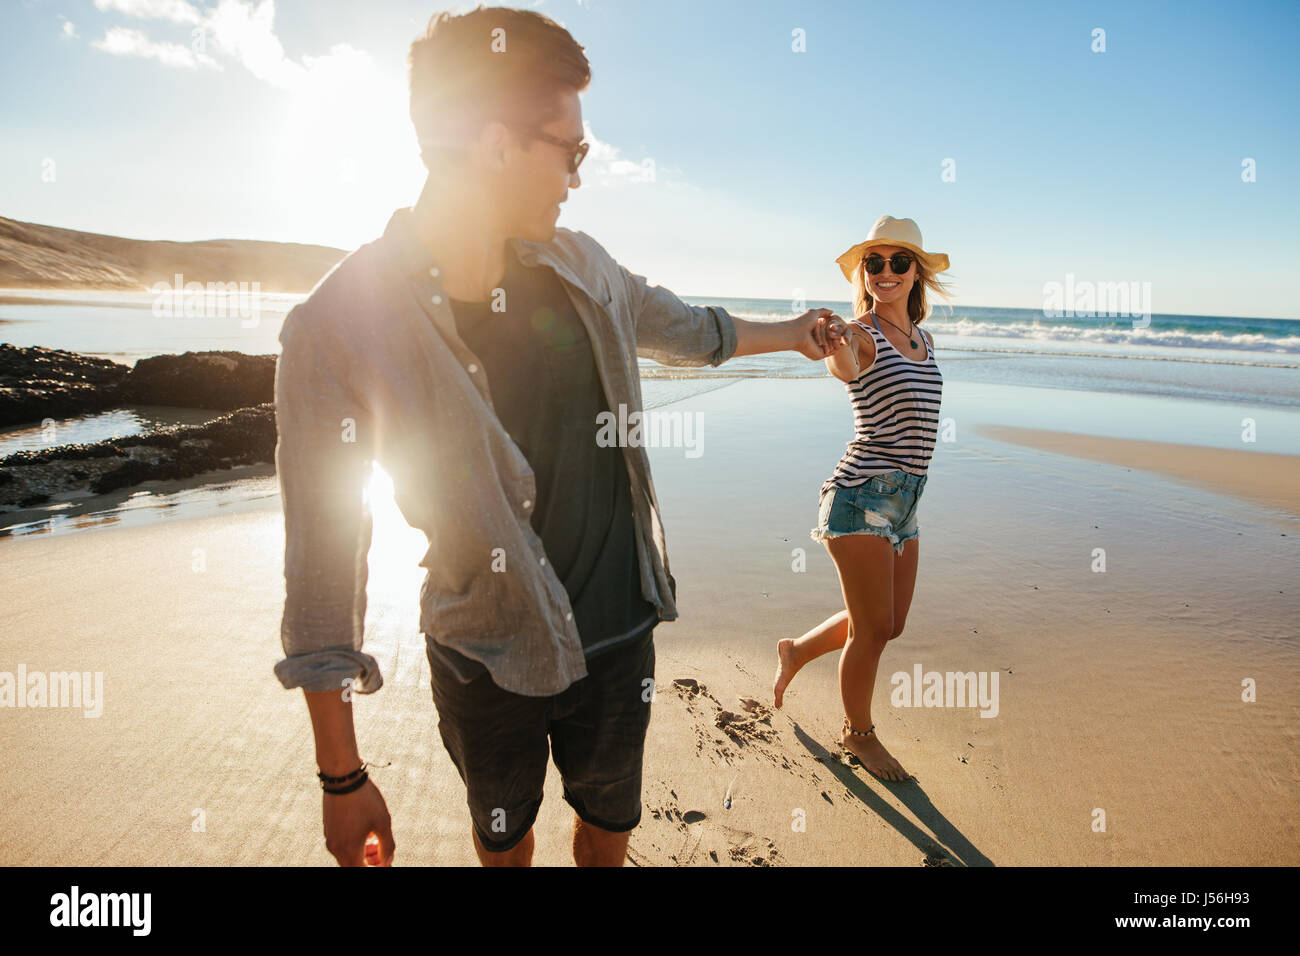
(491, 64)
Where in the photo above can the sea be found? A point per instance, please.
(1190, 379)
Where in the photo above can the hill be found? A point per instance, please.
(45, 257)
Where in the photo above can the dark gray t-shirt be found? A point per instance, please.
(546, 390)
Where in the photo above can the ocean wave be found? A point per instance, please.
(1104, 330)
(1055, 353)
(1152, 335)
(775, 367)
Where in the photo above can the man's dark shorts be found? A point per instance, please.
(597, 728)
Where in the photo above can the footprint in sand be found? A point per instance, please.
(743, 729)
(702, 839)
(749, 727)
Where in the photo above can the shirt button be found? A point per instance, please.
(472, 368)
(437, 300)
(434, 272)
(528, 503)
(568, 615)
(543, 561)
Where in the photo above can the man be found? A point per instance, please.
(469, 351)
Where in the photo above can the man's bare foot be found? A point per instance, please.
(874, 756)
(786, 668)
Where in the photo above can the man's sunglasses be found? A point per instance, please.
(577, 150)
(899, 263)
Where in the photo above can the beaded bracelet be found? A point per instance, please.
(354, 785)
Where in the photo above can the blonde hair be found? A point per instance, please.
(918, 303)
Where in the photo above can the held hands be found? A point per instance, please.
(821, 333)
(837, 332)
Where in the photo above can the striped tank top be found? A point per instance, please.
(895, 414)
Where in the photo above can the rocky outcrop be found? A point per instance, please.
(243, 437)
(39, 383)
(219, 380)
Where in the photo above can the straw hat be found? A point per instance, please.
(889, 231)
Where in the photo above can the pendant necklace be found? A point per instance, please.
(910, 340)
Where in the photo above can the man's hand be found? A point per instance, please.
(817, 333)
(820, 332)
(358, 830)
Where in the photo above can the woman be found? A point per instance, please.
(867, 511)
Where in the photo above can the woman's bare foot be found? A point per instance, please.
(786, 668)
(874, 756)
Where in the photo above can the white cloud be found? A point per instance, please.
(604, 166)
(178, 11)
(123, 42)
(69, 28)
(246, 32)
(241, 30)
(340, 93)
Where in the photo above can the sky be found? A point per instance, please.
(739, 147)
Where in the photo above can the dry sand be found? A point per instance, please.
(1120, 691)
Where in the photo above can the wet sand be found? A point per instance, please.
(1120, 691)
(1272, 480)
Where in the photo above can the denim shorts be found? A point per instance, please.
(596, 729)
(883, 505)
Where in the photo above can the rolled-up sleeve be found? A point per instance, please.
(670, 332)
(323, 458)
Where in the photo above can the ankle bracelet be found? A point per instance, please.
(859, 733)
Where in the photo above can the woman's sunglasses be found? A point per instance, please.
(577, 151)
(899, 263)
